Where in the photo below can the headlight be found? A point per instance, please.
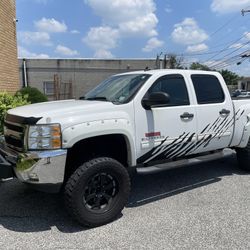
(44, 137)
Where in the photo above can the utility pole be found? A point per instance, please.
(244, 11)
(158, 61)
(247, 54)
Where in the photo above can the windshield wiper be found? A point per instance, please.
(98, 98)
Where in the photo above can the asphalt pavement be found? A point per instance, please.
(205, 206)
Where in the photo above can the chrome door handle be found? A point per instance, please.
(187, 116)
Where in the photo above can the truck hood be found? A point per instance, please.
(67, 110)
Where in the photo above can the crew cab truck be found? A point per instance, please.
(148, 120)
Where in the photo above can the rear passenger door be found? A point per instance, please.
(214, 111)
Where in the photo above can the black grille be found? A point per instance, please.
(14, 142)
(14, 135)
(13, 127)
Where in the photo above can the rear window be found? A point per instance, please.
(208, 89)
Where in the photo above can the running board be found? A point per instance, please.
(185, 162)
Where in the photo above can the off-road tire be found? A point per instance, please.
(79, 182)
(243, 157)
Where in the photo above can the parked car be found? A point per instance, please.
(244, 94)
(237, 92)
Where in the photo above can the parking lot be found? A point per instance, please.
(205, 206)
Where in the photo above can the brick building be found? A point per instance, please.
(9, 77)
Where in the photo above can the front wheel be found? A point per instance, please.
(243, 157)
(97, 191)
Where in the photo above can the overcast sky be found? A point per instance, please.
(207, 31)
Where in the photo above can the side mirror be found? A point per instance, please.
(157, 99)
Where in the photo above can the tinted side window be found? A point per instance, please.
(208, 89)
(174, 86)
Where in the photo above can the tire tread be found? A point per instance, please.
(72, 183)
(243, 156)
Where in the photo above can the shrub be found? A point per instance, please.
(34, 95)
(8, 101)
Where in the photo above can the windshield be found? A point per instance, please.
(118, 89)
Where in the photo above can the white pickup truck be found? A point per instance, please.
(149, 120)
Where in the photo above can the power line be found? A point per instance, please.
(202, 54)
(232, 31)
(226, 64)
(224, 25)
(232, 60)
(229, 60)
(231, 63)
(227, 48)
(216, 52)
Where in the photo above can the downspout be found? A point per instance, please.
(25, 79)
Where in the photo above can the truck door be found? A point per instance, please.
(169, 132)
(214, 111)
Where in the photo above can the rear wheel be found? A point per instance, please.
(97, 191)
(243, 156)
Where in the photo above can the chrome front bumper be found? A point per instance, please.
(42, 169)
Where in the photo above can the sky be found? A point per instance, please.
(211, 32)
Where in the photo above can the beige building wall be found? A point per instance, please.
(9, 77)
(84, 74)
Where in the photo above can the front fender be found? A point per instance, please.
(76, 133)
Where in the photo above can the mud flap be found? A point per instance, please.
(6, 170)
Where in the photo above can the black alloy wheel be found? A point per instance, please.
(100, 192)
(97, 191)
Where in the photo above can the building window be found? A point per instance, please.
(48, 88)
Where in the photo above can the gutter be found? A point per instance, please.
(25, 78)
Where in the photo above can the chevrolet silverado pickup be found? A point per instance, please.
(146, 120)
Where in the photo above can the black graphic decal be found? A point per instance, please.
(158, 151)
(184, 145)
(214, 124)
(160, 154)
(221, 125)
(176, 146)
(205, 128)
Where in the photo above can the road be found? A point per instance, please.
(205, 206)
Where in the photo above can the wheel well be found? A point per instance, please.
(114, 146)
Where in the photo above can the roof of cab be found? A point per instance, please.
(174, 71)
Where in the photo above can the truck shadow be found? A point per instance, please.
(153, 187)
(26, 210)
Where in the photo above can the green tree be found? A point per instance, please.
(230, 77)
(8, 101)
(199, 66)
(175, 62)
(34, 95)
